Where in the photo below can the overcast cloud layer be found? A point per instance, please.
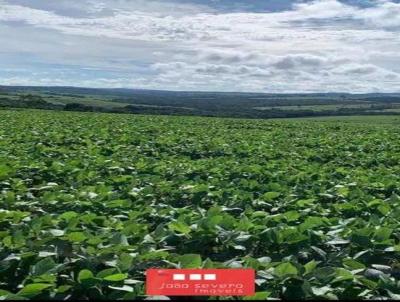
(252, 45)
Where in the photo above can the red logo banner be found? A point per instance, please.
(200, 282)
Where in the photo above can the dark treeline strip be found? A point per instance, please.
(220, 106)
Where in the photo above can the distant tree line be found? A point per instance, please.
(212, 107)
(28, 101)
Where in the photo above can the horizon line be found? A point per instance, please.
(195, 91)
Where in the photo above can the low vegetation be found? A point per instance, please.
(89, 201)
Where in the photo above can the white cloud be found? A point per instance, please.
(386, 15)
(323, 45)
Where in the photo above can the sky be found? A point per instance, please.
(274, 46)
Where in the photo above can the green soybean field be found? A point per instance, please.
(89, 201)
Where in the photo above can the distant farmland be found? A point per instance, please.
(243, 105)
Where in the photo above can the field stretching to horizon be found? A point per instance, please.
(89, 201)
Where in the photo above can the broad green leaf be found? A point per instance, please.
(343, 275)
(353, 264)
(43, 266)
(85, 275)
(382, 234)
(292, 215)
(190, 261)
(77, 237)
(32, 290)
(116, 277)
(285, 270)
(269, 196)
(180, 227)
(310, 266)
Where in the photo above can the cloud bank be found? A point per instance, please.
(309, 46)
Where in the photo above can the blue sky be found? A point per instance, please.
(210, 45)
